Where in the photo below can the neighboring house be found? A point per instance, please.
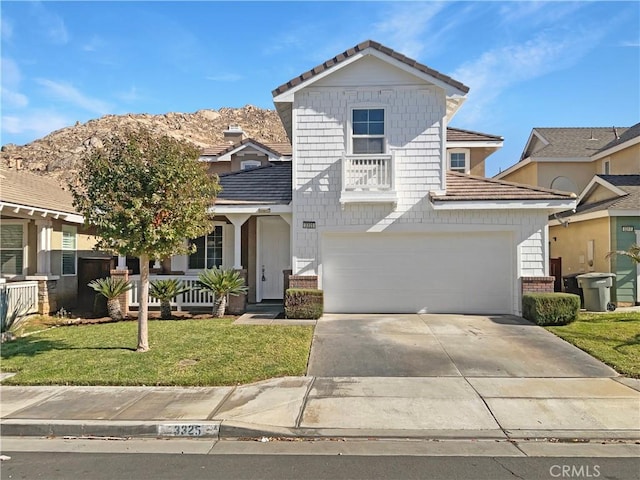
(367, 209)
(43, 241)
(607, 219)
(568, 158)
(602, 164)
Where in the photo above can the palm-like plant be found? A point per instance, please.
(166, 290)
(633, 253)
(222, 283)
(111, 288)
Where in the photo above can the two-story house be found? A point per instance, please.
(602, 165)
(368, 209)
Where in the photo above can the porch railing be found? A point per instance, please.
(22, 296)
(192, 298)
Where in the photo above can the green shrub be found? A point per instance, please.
(550, 308)
(303, 303)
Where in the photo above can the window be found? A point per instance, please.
(12, 248)
(248, 164)
(367, 131)
(606, 166)
(69, 253)
(208, 252)
(459, 160)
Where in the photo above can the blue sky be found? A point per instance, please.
(528, 64)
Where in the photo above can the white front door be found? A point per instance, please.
(274, 256)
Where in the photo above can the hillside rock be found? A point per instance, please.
(59, 153)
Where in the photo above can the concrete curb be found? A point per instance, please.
(217, 430)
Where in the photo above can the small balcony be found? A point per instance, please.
(368, 178)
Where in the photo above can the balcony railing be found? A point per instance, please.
(368, 178)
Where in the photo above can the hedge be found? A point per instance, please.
(550, 308)
(303, 303)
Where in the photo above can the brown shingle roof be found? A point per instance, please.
(573, 142)
(461, 187)
(294, 82)
(281, 149)
(25, 188)
(460, 135)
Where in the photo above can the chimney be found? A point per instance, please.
(233, 134)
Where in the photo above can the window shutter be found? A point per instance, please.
(68, 251)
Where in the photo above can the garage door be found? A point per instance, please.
(409, 273)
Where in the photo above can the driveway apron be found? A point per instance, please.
(384, 345)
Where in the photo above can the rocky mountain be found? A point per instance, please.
(59, 152)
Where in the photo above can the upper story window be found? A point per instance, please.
(12, 248)
(606, 167)
(459, 160)
(208, 252)
(249, 164)
(69, 250)
(367, 130)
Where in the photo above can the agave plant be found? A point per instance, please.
(166, 290)
(633, 253)
(111, 288)
(221, 283)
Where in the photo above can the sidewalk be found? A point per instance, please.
(317, 407)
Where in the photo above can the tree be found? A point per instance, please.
(166, 290)
(111, 288)
(633, 253)
(221, 283)
(145, 195)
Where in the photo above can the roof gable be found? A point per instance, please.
(368, 47)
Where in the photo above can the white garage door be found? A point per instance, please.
(408, 273)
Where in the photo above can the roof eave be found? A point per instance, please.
(42, 212)
(551, 205)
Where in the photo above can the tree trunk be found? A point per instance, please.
(143, 311)
(114, 310)
(165, 309)
(220, 306)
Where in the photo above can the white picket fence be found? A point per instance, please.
(191, 299)
(23, 296)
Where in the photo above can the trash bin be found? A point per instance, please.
(570, 283)
(597, 291)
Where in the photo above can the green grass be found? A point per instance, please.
(184, 352)
(613, 338)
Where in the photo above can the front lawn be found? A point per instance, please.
(613, 338)
(183, 352)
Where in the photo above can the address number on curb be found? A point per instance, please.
(188, 430)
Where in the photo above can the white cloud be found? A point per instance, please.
(37, 123)
(13, 99)
(633, 44)
(501, 68)
(225, 77)
(50, 23)
(131, 95)
(11, 75)
(405, 24)
(6, 28)
(68, 93)
(94, 44)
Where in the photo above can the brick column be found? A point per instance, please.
(124, 298)
(303, 281)
(537, 284)
(238, 304)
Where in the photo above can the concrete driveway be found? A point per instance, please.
(431, 345)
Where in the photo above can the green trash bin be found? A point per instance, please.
(596, 288)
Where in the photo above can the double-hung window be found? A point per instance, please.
(459, 160)
(12, 248)
(69, 250)
(367, 131)
(208, 252)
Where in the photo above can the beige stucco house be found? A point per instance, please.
(43, 244)
(603, 166)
